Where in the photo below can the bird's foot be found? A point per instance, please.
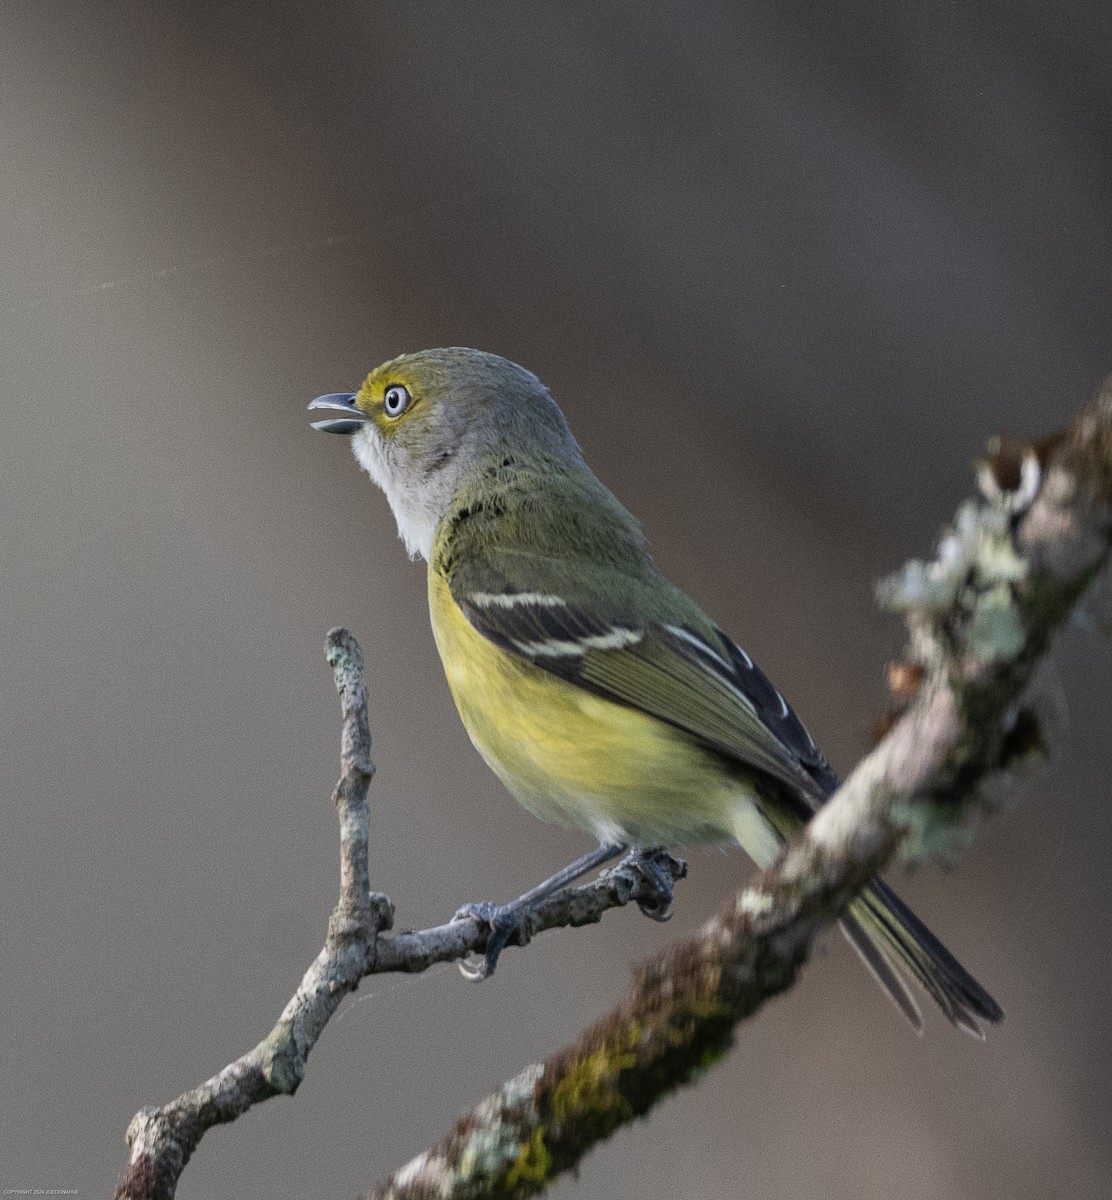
(660, 870)
(506, 924)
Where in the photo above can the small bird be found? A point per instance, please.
(598, 692)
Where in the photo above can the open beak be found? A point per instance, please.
(340, 402)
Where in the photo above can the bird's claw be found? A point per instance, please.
(660, 870)
(505, 924)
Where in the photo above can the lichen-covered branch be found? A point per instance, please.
(980, 616)
(358, 943)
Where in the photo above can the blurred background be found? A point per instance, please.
(785, 266)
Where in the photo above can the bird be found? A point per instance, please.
(599, 693)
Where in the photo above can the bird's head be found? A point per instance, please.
(423, 423)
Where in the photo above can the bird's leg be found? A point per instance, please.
(648, 860)
(505, 920)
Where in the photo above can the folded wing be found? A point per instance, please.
(685, 672)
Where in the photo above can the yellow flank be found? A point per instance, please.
(573, 757)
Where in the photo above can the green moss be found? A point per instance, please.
(712, 1054)
(709, 1056)
(590, 1088)
(700, 1013)
(996, 631)
(933, 831)
(621, 1077)
(533, 1164)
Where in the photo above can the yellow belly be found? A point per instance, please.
(576, 758)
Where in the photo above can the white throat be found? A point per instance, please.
(417, 518)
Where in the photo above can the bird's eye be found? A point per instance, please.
(395, 400)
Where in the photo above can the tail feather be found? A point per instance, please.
(893, 942)
(882, 971)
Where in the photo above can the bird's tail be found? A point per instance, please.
(895, 944)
